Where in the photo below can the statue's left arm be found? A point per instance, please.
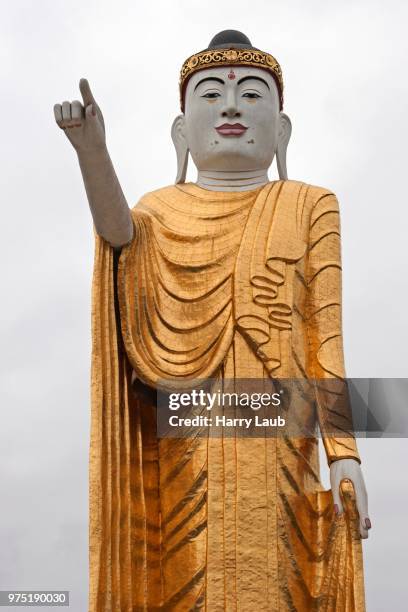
(326, 358)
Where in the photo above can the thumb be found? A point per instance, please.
(86, 93)
(90, 111)
(335, 487)
(338, 506)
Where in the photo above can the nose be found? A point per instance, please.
(230, 108)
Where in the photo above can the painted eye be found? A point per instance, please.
(211, 94)
(251, 94)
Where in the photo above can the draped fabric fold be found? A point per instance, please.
(179, 327)
(227, 285)
(124, 519)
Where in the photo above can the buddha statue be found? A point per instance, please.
(234, 276)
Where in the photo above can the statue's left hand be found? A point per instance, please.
(350, 468)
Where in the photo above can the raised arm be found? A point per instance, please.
(84, 127)
(326, 359)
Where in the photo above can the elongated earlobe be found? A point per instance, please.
(180, 144)
(285, 132)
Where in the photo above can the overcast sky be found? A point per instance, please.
(344, 67)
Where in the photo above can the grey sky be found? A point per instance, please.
(346, 93)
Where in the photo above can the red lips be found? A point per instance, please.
(231, 129)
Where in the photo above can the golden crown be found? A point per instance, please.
(230, 57)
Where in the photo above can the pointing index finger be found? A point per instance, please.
(86, 93)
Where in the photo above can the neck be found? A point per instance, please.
(240, 180)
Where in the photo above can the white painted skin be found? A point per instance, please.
(231, 162)
(84, 127)
(224, 163)
(350, 469)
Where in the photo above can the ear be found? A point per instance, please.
(180, 144)
(285, 131)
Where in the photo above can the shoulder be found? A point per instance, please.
(314, 200)
(312, 193)
(165, 193)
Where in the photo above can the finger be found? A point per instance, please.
(90, 111)
(58, 114)
(335, 487)
(363, 532)
(367, 522)
(338, 506)
(362, 507)
(86, 93)
(66, 111)
(77, 112)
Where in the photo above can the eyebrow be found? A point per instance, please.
(254, 78)
(209, 79)
(246, 78)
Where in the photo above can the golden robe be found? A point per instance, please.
(225, 285)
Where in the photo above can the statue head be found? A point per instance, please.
(231, 97)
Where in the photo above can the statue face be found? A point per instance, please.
(232, 118)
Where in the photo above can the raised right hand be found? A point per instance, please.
(83, 124)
